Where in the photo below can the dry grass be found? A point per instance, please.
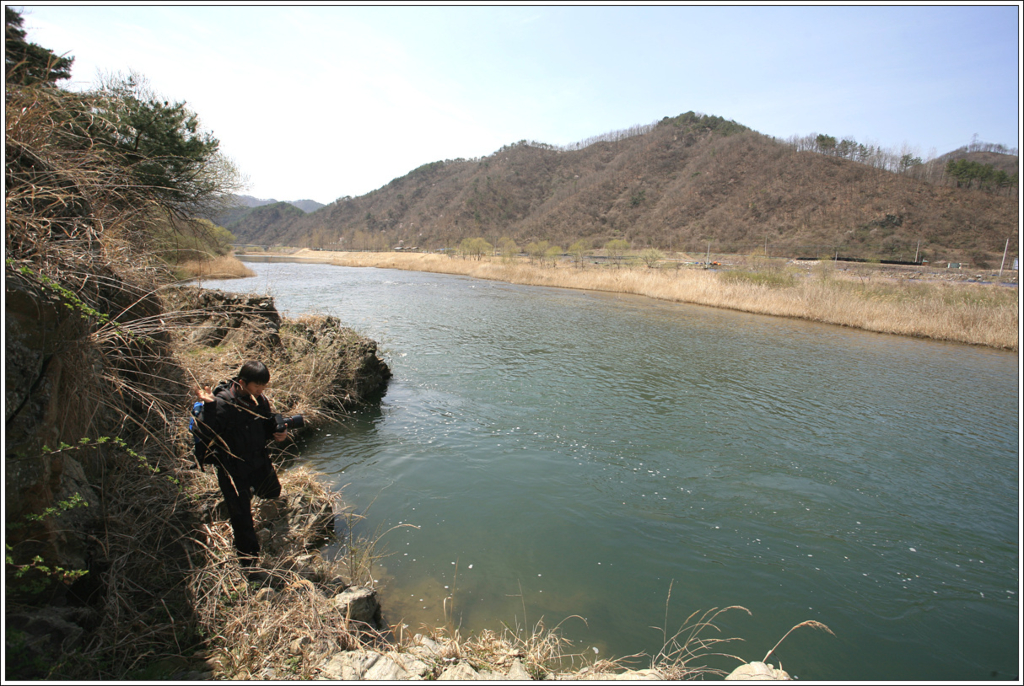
(543, 652)
(547, 654)
(159, 582)
(314, 362)
(283, 625)
(959, 312)
(224, 267)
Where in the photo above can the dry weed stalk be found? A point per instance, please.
(688, 644)
(286, 624)
(542, 651)
(814, 624)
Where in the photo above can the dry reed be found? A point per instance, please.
(542, 651)
(969, 313)
(283, 625)
(223, 267)
(77, 234)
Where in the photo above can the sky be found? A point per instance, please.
(320, 102)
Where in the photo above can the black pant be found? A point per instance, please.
(237, 484)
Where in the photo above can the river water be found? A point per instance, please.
(616, 463)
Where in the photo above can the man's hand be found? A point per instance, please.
(204, 394)
(281, 436)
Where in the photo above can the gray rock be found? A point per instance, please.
(264, 536)
(459, 672)
(47, 629)
(629, 675)
(425, 647)
(758, 671)
(397, 667)
(488, 675)
(517, 672)
(34, 412)
(349, 666)
(359, 666)
(300, 644)
(359, 604)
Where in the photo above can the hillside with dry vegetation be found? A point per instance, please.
(683, 183)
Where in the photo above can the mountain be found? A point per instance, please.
(306, 205)
(262, 219)
(249, 201)
(242, 205)
(978, 158)
(1001, 161)
(678, 184)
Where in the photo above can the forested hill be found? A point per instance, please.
(242, 205)
(679, 184)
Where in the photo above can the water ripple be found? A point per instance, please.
(594, 449)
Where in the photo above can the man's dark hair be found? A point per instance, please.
(254, 372)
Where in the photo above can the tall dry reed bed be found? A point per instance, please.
(223, 267)
(978, 314)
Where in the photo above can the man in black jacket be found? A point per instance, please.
(237, 422)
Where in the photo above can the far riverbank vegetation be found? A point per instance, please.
(934, 303)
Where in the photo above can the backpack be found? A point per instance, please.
(201, 440)
(199, 445)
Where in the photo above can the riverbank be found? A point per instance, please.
(165, 598)
(225, 267)
(908, 302)
(306, 616)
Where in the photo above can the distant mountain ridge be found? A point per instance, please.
(242, 205)
(683, 183)
(304, 205)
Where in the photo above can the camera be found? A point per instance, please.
(281, 423)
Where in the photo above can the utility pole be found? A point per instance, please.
(1004, 258)
(918, 250)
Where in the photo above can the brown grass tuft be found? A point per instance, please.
(224, 267)
(282, 625)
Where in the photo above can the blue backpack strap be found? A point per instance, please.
(199, 447)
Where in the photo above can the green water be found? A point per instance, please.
(566, 454)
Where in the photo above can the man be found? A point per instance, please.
(237, 422)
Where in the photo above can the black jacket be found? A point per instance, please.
(239, 428)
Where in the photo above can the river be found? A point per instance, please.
(614, 463)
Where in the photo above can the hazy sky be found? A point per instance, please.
(325, 101)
